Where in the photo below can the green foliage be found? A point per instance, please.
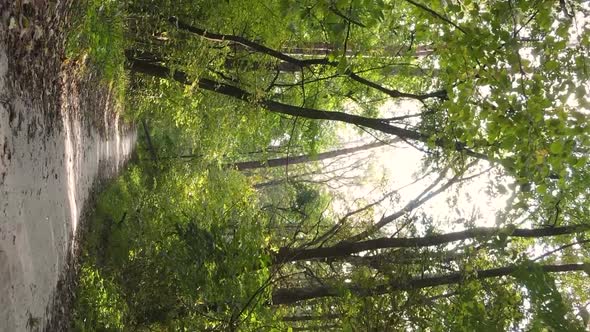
(99, 305)
(185, 243)
(548, 307)
(480, 306)
(98, 35)
(166, 249)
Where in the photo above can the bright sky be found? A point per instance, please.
(397, 166)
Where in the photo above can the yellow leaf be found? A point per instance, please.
(541, 154)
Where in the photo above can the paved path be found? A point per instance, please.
(46, 176)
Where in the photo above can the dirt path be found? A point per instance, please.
(59, 137)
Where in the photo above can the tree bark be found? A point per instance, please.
(304, 158)
(304, 112)
(283, 66)
(383, 260)
(346, 248)
(293, 295)
(325, 49)
(329, 327)
(217, 37)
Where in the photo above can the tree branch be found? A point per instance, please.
(437, 15)
(442, 94)
(309, 113)
(344, 249)
(294, 295)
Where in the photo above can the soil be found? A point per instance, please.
(61, 137)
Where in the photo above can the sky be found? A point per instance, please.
(398, 166)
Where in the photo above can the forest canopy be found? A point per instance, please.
(259, 121)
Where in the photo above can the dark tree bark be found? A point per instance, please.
(304, 158)
(347, 248)
(285, 67)
(304, 112)
(382, 261)
(309, 49)
(293, 295)
(217, 37)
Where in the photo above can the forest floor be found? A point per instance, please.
(61, 137)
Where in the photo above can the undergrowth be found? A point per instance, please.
(97, 38)
(99, 302)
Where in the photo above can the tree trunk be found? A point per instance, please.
(294, 295)
(304, 112)
(312, 328)
(287, 67)
(283, 66)
(383, 260)
(346, 248)
(304, 158)
(323, 48)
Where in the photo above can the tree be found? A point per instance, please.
(500, 88)
(276, 162)
(288, 296)
(346, 248)
(309, 113)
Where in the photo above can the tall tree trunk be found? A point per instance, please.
(322, 48)
(294, 295)
(287, 67)
(383, 260)
(304, 112)
(283, 66)
(304, 158)
(344, 249)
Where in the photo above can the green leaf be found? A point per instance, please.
(342, 65)
(556, 147)
(551, 65)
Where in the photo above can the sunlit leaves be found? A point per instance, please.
(549, 308)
